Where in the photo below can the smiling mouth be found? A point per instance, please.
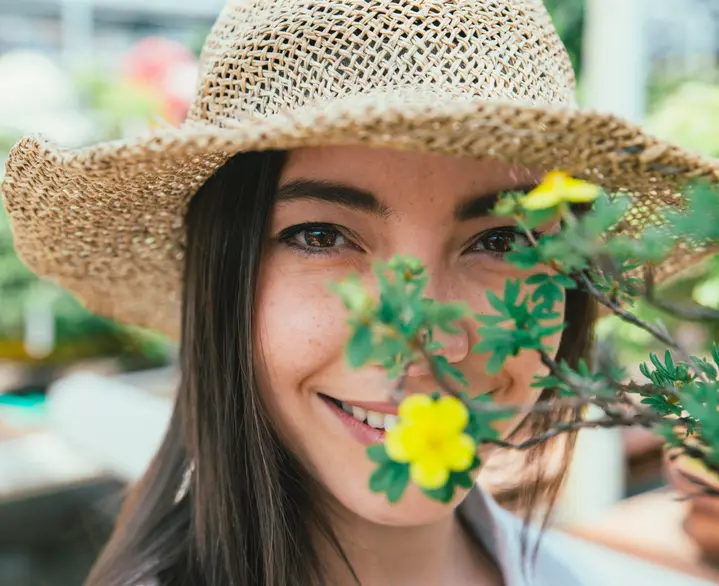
(373, 419)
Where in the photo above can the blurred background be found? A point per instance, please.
(84, 401)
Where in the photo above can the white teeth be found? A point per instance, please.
(389, 422)
(375, 419)
(371, 418)
(359, 414)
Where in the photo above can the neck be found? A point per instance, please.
(442, 552)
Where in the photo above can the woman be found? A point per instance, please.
(325, 135)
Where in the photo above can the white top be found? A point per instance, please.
(501, 534)
(562, 560)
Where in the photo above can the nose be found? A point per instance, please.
(455, 348)
(441, 287)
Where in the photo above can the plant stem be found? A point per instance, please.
(561, 428)
(398, 389)
(624, 314)
(628, 317)
(689, 313)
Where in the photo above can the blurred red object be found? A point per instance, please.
(165, 68)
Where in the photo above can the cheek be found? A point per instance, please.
(299, 326)
(299, 330)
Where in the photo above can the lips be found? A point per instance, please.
(367, 426)
(374, 419)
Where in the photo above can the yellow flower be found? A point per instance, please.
(430, 438)
(559, 187)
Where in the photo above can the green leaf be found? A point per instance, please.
(703, 365)
(381, 478)
(715, 353)
(444, 368)
(546, 331)
(657, 363)
(547, 295)
(377, 453)
(491, 320)
(545, 382)
(461, 479)
(398, 482)
(495, 362)
(535, 218)
(505, 206)
(511, 291)
(523, 258)
(645, 370)
(446, 314)
(564, 281)
(671, 371)
(661, 405)
(387, 313)
(359, 348)
(537, 279)
(481, 422)
(497, 303)
(443, 494)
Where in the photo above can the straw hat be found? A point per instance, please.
(478, 78)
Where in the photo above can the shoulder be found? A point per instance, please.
(503, 533)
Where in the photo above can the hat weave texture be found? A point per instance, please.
(471, 78)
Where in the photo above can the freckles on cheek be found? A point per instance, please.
(299, 327)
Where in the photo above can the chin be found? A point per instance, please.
(413, 509)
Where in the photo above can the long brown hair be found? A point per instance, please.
(251, 506)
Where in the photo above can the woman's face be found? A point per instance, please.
(339, 209)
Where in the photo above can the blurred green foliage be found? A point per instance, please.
(568, 17)
(79, 334)
(689, 116)
(115, 102)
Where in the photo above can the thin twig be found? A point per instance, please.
(659, 333)
(624, 314)
(561, 428)
(397, 393)
(443, 384)
(688, 313)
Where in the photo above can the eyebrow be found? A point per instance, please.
(362, 200)
(481, 205)
(350, 197)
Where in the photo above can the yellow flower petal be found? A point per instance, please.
(540, 198)
(429, 472)
(559, 187)
(451, 415)
(577, 191)
(458, 453)
(415, 408)
(396, 443)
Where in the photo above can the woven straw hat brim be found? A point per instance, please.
(106, 222)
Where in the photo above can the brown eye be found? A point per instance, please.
(320, 237)
(316, 238)
(498, 241)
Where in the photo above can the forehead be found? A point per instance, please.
(394, 175)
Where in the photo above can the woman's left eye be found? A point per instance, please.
(499, 241)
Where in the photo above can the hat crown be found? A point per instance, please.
(267, 56)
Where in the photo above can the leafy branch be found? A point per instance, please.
(435, 442)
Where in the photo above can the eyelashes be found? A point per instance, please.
(316, 239)
(323, 239)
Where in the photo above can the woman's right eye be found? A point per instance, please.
(315, 238)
